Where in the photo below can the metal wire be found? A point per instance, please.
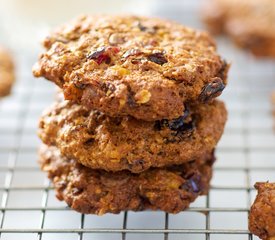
(245, 138)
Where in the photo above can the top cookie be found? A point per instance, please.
(128, 65)
(251, 23)
(6, 72)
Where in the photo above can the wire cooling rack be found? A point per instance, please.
(246, 154)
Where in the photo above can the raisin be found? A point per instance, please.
(184, 128)
(89, 141)
(178, 123)
(175, 124)
(179, 127)
(157, 58)
(185, 131)
(212, 90)
(192, 184)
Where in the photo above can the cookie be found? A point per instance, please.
(119, 143)
(250, 23)
(147, 68)
(6, 72)
(98, 192)
(262, 213)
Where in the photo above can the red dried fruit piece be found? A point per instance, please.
(157, 58)
(103, 54)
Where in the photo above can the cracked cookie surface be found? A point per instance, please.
(119, 143)
(127, 65)
(98, 192)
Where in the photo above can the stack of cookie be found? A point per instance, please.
(139, 124)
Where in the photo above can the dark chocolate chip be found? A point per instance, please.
(212, 90)
(157, 58)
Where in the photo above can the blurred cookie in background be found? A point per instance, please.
(250, 23)
(262, 212)
(7, 76)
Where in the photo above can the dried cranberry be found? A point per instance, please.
(157, 58)
(96, 54)
(212, 90)
(102, 54)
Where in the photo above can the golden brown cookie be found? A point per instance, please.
(262, 213)
(6, 72)
(117, 143)
(96, 191)
(128, 65)
(250, 23)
